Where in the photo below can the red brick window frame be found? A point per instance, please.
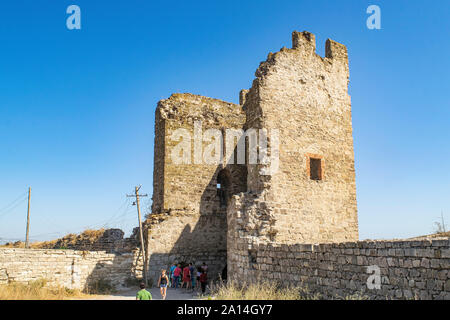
(317, 162)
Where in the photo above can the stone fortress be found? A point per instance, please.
(311, 198)
(292, 219)
(298, 224)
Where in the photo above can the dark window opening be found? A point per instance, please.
(224, 273)
(315, 169)
(221, 192)
(252, 258)
(223, 186)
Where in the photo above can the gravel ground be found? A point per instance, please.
(130, 294)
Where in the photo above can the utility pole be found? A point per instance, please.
(27, 239)
(442, 219)
(144, 254)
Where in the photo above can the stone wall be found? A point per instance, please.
(192, 186)
(67, 268)
(263, 229)
(109, 240)
(304, 96)
(408, 269)
(181, 237)
(188, 221)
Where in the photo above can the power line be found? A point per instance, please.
(12, 202)
(44, 234)
(12, 205)
(120, 216)
(118, 213)
(5, 240)
(114, 217)
(11, 210)
(125, 206)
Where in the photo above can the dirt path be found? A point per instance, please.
(130, 294)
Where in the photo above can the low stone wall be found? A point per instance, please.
(407, 269)
(68, 268)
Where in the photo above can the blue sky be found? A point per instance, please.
(77, 106)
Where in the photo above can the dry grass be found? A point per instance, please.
(68, 240)
(92, 234)
(101, 287)
(259, 291)
(355, 296)
(37, 290)
(17, 244)
(270, 291)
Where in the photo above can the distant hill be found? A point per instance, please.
(438, 235)
(109, 239)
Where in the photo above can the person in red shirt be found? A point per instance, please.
(176, 275)
(186, 277)
(203, 281)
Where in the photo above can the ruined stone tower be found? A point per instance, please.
(205, 211)
(189, 221)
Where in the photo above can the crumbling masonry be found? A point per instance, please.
(294, 222)
(302, 95)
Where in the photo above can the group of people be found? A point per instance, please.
(189, 277)
(180, 275)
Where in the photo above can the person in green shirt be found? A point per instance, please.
(143, 294)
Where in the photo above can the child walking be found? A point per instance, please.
(143, 294)
(162, 283)
(203, 281)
